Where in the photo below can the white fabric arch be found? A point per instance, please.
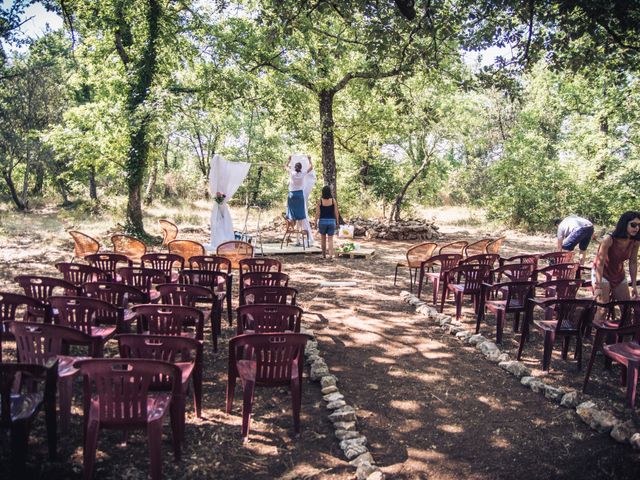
(310, 180)
(225, 177)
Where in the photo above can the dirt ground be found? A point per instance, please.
(430, 407)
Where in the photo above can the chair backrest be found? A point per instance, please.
(481, 259)
(213, 263)
(495, 245)
(558, 271)
(168, 319)
(109, 262)
(165, 262)
(41, 288)
(167, 348)
(235, 250)
(79, 273)
(82, 313)
(278, 295)
(474, 275)
(453, 247)
(626, 314)
(247, 265)
(446, 261)
(566, 288)
(117, 294)
(83, 244)
(183, 294)
(169, 231)
(267, 318)
(128, 246)
(38, 342)
(10, 302)
(120, 387)
(524, 258)
(557, 257)
(9, 375)
(141, 277)
(264, 279)
(186, 249)
(570, 314)
(205, 278)
(419, 253)
(477, 248)
(277, 355)
(514, 271)
(517, 293)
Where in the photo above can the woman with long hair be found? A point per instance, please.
(327, 218)
(295, 201)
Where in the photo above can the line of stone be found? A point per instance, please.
(343, 417)
(600, 420)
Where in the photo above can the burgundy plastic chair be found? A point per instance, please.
(41, 288)
(158, 319)
(514, 296)
(266, 360)
(446, 262)
(119, 295)
(279, 295)
(268, 318)
(481, 259)
(558, 271)
(216, 263)
(530, 258)
(254, 264)
(474, 276)
(9, 305)
(40, 343)
(109, 263)
(144, 279)
(191, 295)
(626, 354)
(165, 262)
(570, 317)
(622, 319)
(18, 409)
(117, 395)
(515, 272)
(264, 279)
(82, 313)
(79, 273)
(185, 353)
(553, 258)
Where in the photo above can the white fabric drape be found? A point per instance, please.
(309, 181)
(225, 177)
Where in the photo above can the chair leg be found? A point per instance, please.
(231, 387)
(19, 445)
(65, 386)
(565, 346)
(444, 293)
(154, 439)
(197, 390)
(632, 383)
(395, 276)
(578, 352)
(458, 299)
(523, 338)
(296, 401)
(479, 317)
(410, 279)
(549, 340)
(436, 286)
(90, 446)
(500, 314)
(516, 322)
(597, 346)
(247, 405)
(229, 288)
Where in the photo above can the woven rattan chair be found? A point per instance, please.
(477, 248)
(235, 251)
(133, 248)
(495, 245)
(453, 247)
(186, 249)
(83, 245)
(415, 256)
(169, 231)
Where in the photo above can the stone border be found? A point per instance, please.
(342, 416)
(600, 420)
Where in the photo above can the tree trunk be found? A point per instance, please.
(397, 204)
(327, 140)
(39, 179)
(12, 190)
(25, 182)
(165, 160)
(63, 189)
(151, 183)
(93, 188)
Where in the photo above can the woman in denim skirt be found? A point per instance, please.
(327, 218)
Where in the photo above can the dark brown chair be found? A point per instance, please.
(502, 299)
(169, 263)
(83, 245)
(79, 273)
(216, 263)
(9, 305)
(129, 246)
(277, 295)
(268, 318)
(109, 263)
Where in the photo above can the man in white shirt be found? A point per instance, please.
(573, 231)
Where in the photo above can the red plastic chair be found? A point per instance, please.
(144, 279)
(156, 319)
(109, 263)
(264, 279)
(250, 265)
(516, 272)
(119, 295)
(191, 295)
(558, 271)
(10, 303)
(626, 354)
(216, 263)
(446, 262)
(481, 259)
(514, 296)
(79, 273)
(553, 258)
(117, 395)
(279, 295)
(40, 343)
(570, 317)
(530, 258)
(82, 313)
(266, 360)
(474, 276)
(185, 353)
(165, 262)
(622, 319)
(18, 409)
(41, 288)
(268, 318)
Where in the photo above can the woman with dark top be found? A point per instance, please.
(295, 201)
(608, 277)
(327, 218)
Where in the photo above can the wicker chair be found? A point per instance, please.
(129, 246)
(235, 250)
(83, 245)
(477, 248)
(415, 256)
(495, 245)
(453, 247)
(186, 249)
(169, 231)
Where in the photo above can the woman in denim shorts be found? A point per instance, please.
(327, 218)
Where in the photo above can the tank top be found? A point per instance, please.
(618, 253)
(328, 211)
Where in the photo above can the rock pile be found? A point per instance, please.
(388, 230)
